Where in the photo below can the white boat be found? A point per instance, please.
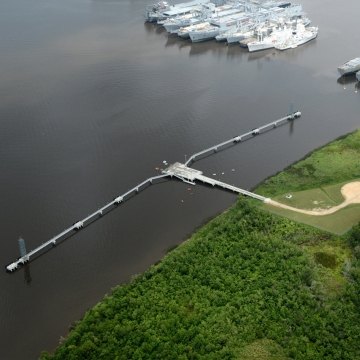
(206, 12)
(172, 25)
(266, 38)
(162, 10)
(239, 36)
(221, 26)
(184, 32)
(208, 32)
(242, 31)
(152, 11)
(301, 35)
(350, 67)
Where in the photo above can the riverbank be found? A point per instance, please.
(247, 283)
(320, 183)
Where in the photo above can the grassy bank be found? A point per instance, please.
(335, 163)
(247, 285)
(316, 181)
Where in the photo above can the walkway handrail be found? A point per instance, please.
(246, 136)
(81, 223)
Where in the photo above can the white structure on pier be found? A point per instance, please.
(189, 175)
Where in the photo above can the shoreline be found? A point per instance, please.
(187, 249)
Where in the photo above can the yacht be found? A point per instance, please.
(350, 67)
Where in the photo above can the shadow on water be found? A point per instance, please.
(349, 81)
(27, 274)
(153, 28)
(212, 47)
(230, 51)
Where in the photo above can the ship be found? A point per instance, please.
(301, 35)
(350, 67)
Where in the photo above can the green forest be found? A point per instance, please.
(247, 285)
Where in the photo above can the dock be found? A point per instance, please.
(178, 170)
(189, 175)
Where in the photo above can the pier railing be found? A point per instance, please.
(236, 139)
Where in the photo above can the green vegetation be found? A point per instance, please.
(335, 163)
(248, 285)
(243, 284)
(337, 223)
(316, 182)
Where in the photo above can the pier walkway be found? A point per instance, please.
(189, 175)
(178, 170)
(240, 138)
(82, 223)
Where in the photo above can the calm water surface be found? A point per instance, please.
(92, 100)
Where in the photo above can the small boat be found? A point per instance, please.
(350, 67)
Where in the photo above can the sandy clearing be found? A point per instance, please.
(350, 192)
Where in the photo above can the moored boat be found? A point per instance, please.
(350, 66)
(301, 35)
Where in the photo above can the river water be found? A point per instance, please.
(92, 100)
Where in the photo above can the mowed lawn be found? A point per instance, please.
(337, 223)
(315, 182)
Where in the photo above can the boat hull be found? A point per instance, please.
(203, 35)
(259, 46)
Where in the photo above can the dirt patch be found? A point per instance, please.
(350, 192)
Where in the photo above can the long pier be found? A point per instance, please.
(78, 225)
(178, 170)
(189, 175)
(240, 138)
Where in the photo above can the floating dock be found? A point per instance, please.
(178, 170)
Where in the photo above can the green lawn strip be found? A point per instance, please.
(307, 199)
(337, 223)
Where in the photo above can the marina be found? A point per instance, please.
(252, 24)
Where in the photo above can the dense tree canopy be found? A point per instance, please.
(244, 284)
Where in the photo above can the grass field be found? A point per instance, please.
(337, 162)
(315, 182)
(337, 223)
